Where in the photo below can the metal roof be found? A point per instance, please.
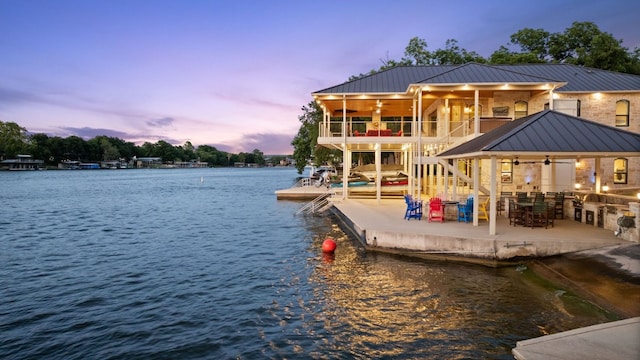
(581, 79)
(393, 80)
(550, 133)
(478, 73)
(577, 78)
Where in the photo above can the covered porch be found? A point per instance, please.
(543, 139)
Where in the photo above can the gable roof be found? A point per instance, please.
(573, 78)
(550, 133)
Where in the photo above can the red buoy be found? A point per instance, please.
(328, 246)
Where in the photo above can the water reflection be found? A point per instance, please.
(387, 306)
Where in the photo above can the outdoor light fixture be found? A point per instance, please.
(547, 161)
(516, 162)
(577, 186)
(605, 188)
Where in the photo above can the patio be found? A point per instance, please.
(380, 226)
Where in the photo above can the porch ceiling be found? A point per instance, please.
(359, 106)
(365, 107)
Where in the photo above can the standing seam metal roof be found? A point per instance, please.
(578, 78)
(552, 132)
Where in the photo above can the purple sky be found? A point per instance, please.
(234, 74)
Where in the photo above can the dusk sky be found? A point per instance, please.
(234, 74)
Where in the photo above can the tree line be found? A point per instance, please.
(583, 44)
(15, 140)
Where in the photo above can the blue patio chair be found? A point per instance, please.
(414, 208)
(465, 211)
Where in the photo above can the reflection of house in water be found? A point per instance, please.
(22, 162)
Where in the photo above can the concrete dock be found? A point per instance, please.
(380, 225)
(615, 340)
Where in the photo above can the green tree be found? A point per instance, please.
(166, 151)
(75, 148)
(13, 139)
(306, 139)
(258, 157)
(416, 53)
(533, 42)
(452, 54)
(40, 148)
(188, 151)
(504, 56)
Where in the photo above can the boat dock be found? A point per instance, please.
(380, 225)
(613, 340)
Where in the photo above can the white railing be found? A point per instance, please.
(319, 204)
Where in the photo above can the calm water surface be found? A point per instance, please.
(202, 264)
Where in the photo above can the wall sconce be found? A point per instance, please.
(638, 195)
(577, 186)
(605, 188)
(516, 162)
(547, 161)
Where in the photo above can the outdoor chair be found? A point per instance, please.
(436, 209)
(558, 211)
(537, 196)
(483, 210)
(521, 195)
(465, 211)
(516, 214)
(551, 215)
(414, 208)
(537, 216)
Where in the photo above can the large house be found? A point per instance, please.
(549, 127)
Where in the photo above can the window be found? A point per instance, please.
(506, 172)
(520, 109)
(620, 171)
(622, 113)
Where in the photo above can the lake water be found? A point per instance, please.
(207, 264)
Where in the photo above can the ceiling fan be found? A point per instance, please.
(545, 161)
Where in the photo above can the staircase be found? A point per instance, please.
(317, 205)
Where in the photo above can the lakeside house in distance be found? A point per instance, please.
(485, 131)
(22, 162)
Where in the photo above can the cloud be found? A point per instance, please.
(89, 133)
(268, 143)
(11, 96)
(165, 121)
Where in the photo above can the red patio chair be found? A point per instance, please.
(436, 209)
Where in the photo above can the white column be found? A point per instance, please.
(476, 193)
(598, 175)
(454, 193)
(476, 121)
(446, 179)
(493, 196)
(419, 110)
(378, 172)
